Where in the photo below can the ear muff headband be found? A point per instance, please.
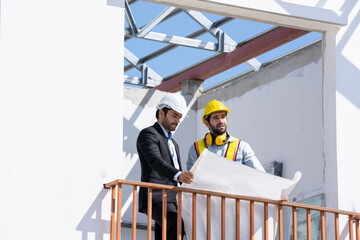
(219, 140)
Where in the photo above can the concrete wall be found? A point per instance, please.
(60, 116)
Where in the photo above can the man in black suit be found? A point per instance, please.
(160, 162)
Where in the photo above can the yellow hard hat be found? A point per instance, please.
(214, 106)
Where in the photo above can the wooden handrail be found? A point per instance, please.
(355, 215)
(115, 229)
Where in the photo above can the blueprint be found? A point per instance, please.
(215, 173)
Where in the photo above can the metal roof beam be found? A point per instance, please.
(222, 62)
(176, 40)
(203, 21)
(226, 44)
(158, 19)
(130, 19)
(149, 77)
(172, 14)
(133, 80)
(171, 47)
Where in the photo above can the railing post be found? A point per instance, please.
(164, 214)
(222, 218)
(336, 215)
(149, 213)
(350, 227)
(118, 219)
(112, 222)
(266, 221)
(322, 222)
(308, 223)
(179, 218)
(357, 229)
(280, 213)
(252, 233)
(134, 212)
(194, 216)
(208, 217)
(294, 223)
(237, 216)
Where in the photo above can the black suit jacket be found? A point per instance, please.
(156, 164)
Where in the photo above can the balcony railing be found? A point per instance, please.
(116, 202)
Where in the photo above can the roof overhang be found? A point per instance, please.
(274, 12)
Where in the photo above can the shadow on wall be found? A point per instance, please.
(350, 31)
(346, 86)
(92, 221)
(130, 131)
(345, 232)
(130, 135)
(131, 160)
(345, 9)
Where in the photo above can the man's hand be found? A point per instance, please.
(186, 177)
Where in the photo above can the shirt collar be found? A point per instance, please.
(167, 135)
(231, 139)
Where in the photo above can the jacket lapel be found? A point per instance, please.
(161, 132)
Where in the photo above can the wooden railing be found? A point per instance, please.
(116, 202)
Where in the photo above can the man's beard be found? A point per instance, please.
(216, 131)
(168, 125)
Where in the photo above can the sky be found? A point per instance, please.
(182, 57)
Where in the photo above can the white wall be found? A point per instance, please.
(348, 110)
(60, 116)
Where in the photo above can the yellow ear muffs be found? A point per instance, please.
(219, 140)
(209, 139)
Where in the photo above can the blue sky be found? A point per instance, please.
(181, 57)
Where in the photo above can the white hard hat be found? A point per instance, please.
(173, 101)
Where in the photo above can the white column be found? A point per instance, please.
(61, 116)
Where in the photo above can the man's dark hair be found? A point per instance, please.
(207, 118)
(165, 109)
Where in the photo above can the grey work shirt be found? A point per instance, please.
(245, 154)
